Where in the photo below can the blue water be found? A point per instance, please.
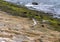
(52, 6)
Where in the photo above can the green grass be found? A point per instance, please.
(18, 10)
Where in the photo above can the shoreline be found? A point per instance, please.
(31, 7)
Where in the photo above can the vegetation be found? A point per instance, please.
(18, 10)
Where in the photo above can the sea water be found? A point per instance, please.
(48, 6)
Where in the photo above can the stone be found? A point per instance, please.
(34, 3)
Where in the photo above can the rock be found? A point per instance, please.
(17, 29)
(34, 3)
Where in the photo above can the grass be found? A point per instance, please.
(18, 10)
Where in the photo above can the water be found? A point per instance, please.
(52, 6)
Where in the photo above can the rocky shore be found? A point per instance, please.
(19, 29)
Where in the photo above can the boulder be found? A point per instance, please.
(34, 3)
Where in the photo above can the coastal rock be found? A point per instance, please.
(34, 3)
(18, 29)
